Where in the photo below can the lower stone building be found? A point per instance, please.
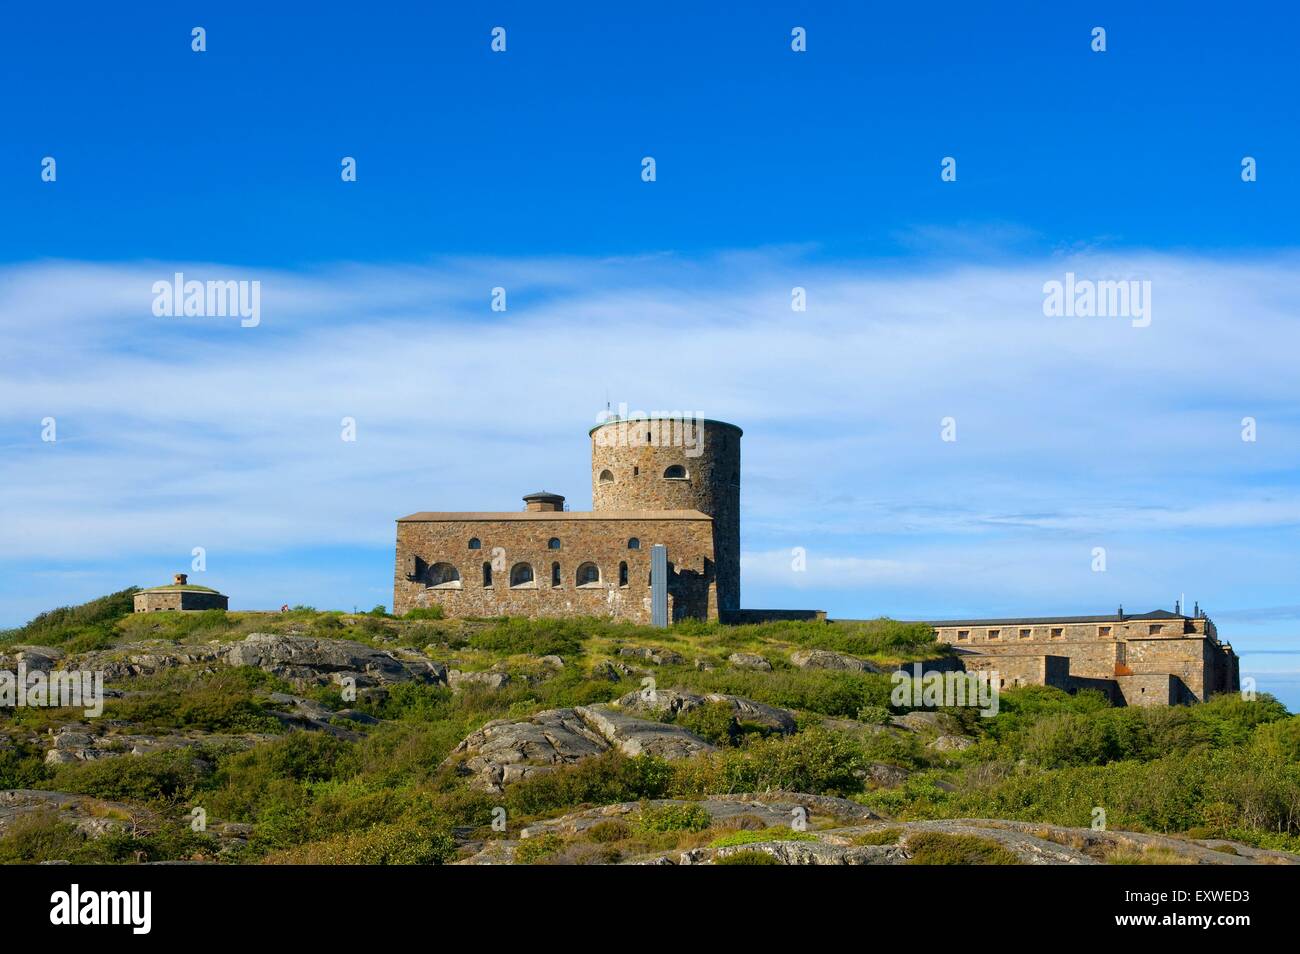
(552, 562)
(1156, 658)
(180, 594)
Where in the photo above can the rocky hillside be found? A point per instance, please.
(310, 737)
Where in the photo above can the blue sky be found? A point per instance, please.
(775, 169)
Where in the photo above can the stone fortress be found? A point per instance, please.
(1156, 658)
(676, 482)
(671, 481)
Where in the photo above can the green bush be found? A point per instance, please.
(660, 818)
(532, 850)
(608, 831)
(713, 722)
(424, 612)
(1279, 740)
(815, 762)
(608, 778)
(940, 848)
(404, 843)
(158, 778)
(874, 715)
(777, 833)
(541, 637)
(747, 858)
(89, 625)
(22, 765)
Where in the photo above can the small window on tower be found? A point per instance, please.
(475, 543)
(606, 477)
(1026, 633)
(553, 543)
(622, 573)
(963, 634)
(675, 472)
(634, 544)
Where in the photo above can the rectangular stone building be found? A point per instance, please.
(1156, 658)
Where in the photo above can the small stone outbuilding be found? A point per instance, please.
(180, 595)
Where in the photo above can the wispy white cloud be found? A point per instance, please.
(1071, 432)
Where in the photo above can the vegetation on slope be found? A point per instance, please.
(1228, 768)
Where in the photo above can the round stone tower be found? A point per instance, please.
(675, 464)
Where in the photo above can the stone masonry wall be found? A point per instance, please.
(507, 540)
(179, 600)
(1102, 652)
(628, 463)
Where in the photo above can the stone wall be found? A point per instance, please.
(428, 544)
(1016, 669)
(629, 460)
(1151, 689)
(1103, 652)
(193, 600)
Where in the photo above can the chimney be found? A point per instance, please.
(179, 579)
(544, 502)
(1121, 612)
(1178, 607)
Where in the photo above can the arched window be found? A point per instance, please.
(588, 575)
(521, 574)
(442, 576)
(553, 543)
(487, 573)
(634, 544)
(556, 580)
(675, 472)
(475, 544)
(622, 573)
(606, 477)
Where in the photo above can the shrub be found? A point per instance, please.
(532, 850)
(403, 843)
(747, 858)
(424, 612)
(541, 637)
(940, 848)
(674, 818)
(89, 625)
(881, 836)
(816, 762)
(1279, 740)
(22, 765)
(874, 715)
(777, 833)
(608, 831)
(713, 722)
(608, 778)
(160, 778)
